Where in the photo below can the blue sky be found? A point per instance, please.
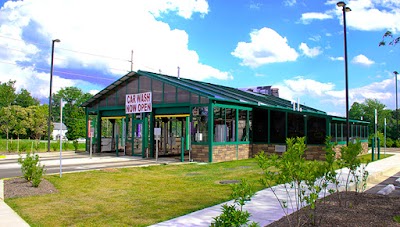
(294, 45)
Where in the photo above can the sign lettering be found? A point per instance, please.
(138, 103)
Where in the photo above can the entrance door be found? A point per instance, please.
(139, 137)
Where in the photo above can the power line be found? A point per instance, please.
(65, 49)
(61, 72)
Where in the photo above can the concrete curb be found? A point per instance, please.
(1, 189)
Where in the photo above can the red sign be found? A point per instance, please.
(138, 103)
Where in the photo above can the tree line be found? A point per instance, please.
(23, 117)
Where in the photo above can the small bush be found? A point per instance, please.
(31, 168)
(66, 145)
(231, 216)
(55, 146)
(75, 143)
(23, 147)
(389, 142)
(397, 143)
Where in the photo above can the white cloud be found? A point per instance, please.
(362, 60)
(109, 30)
(289, 2)
(372, 15)
(310, 52)
(337, 58)
(315, 38)
(306, 18)
(255, 5)
(266, 46)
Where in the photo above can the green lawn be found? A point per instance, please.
(15, 146)
(368, 157)
(134, 196)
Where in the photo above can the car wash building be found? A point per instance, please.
(153, 115)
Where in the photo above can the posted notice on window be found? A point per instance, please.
(138, 103)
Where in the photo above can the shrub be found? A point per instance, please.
(231, 216)
(31, 168)
(23, 147)
(397, 143)
(75, 143)
(55, 145)
(66, 145)
(389, 142)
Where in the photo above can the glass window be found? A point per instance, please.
(183, 96)
(121, 96)
(278, 126)
(111, 99)
(203, 100)
(169, 93)
(144, 84)
(103, 103)
(157, 89)
(316, 130)
(260, 125)
(194, 99)
(200, 124)
(243, 127)
(295, 125)
(225, 125)
(133, 87)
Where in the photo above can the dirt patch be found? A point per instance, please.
(19, 187)
(362, 209)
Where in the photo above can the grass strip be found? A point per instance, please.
(134, 196)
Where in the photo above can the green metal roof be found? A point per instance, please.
(212, 91)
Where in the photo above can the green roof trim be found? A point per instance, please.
(343, 119)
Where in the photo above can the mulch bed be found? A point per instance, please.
(19, 187)
(357, 209)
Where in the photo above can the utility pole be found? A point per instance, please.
(131, 61)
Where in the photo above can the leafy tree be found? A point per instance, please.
(37, 121)
(24, 99)
(7, 93)
(73, 114)
(366, 110)
(21, 119)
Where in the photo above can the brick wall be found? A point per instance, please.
(199, 153)
(223, 153)
(267, 148)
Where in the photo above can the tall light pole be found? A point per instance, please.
(397, 113)
(346, 9)
(51, 86)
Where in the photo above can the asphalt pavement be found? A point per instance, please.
(73, 162)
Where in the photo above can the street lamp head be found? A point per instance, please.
(56, 41)
(347, 9)
(341, 4)
(395, 72)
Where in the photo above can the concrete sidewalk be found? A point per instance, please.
(264, 207)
